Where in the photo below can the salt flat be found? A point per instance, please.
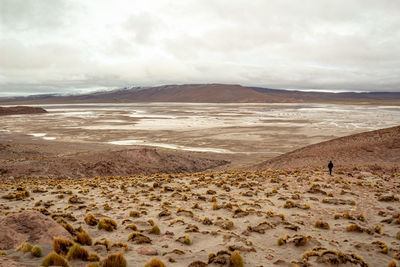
(264, 129)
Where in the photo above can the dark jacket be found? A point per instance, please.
(330, 165)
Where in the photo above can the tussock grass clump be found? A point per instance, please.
(139, 238)
(297, 240)
(289, 204)
(207, 221)
(361, 217)
(77, 252)
(93, 257)
(197, 264)
(238, 213)
(66, 225)
(388, 198)
(120, 245)
(53, 259)
(185, 239)
(261, 227)
(83, 238)
(215, 206)
(384, 249)
(107, 207)
(393, 263)
(281, 241)
(236, 259)
(155, 230)
(151, 222)
(300, 240)
(107, 224)
(354, 228)
(24, 247)
(104, 242)
(91, 220)
(181, 211)
(75, 200)
(211, 192)
(115, 260)
(132, 227)
(398, 235)
(224, 224)
(155, 262)
(3, 253)
(61, 245)
(134, 213)
(321, 225)
(36, 251)
(378, 229)
(93, 264)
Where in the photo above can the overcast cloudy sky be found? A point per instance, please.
(70, 46)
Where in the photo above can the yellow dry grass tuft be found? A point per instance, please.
(24, 247)
(107, 224)
(53, 259)
(155, 262)
(61, 245)
(36, 251)
(236, 259)
(321, 225)
(83, 238)
(77, 252)
(115, 260)
(91, 220)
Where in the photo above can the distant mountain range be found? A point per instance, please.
(209, 93)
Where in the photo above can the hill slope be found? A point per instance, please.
(373, 150)
(63, 161)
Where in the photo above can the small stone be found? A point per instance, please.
(246, 233)
(169, 233)
(149, 251)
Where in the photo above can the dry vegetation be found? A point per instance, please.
(236, 218)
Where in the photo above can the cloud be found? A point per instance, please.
(72, 46)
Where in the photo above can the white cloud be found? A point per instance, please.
(72, 45)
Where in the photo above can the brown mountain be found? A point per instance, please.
(375, 150)
(197, 93)
(210, 93)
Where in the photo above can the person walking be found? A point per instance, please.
(330, 166)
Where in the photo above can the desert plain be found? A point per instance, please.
(190, 184)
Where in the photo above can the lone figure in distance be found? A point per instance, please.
(330, 166)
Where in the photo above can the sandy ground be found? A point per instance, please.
(247, 211)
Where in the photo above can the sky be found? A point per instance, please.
(75, 46)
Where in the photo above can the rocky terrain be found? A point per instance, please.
(236, 218)
(373, 151)
(21, 110)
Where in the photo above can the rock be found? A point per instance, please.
(21, 110)
(29, 226)
(149, 251)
